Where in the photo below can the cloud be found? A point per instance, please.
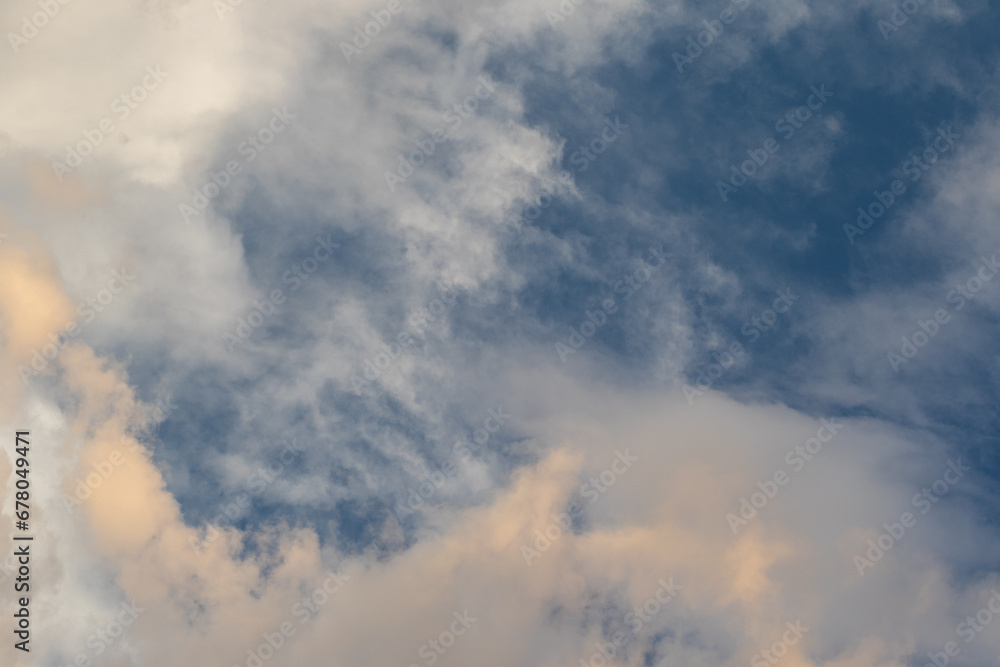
(459, 223)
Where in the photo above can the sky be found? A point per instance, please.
(576, 332)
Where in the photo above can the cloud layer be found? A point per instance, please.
(419, 333)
